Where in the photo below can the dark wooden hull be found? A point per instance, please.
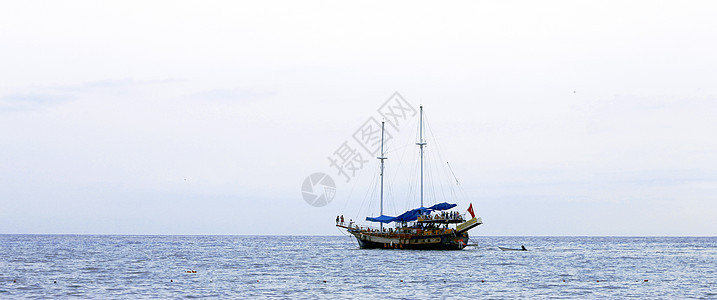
(450, 241)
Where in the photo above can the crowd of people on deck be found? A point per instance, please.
(444, 215)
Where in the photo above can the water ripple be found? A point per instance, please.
(70, 266)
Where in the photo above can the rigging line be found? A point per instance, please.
(439, 152)
(371, 190)
(388, 169)
(457, 191)
(432, 170)
(394, 179)
(457, 186)
(434, 164)
(403, 171)
(411, 192)
(428, 186)
(433, 182)
(432, 153)
(406, 172)
(454, 174)
(443, 188)
(353, 187)
(407, 181)
(453, 192)
(342, 232)
(389, 197)
(413, 201)
(398, 170)
(449, 182)
(390, 151)
(348, 236)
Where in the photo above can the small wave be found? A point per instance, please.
(614, 287)
(245, 268)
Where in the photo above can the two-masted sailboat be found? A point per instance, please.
(436, 227)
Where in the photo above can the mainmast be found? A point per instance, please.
(381, 158)
(421, 143)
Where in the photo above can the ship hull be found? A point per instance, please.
(417, 242)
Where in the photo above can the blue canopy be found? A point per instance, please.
(411, 215)
(442, 206)
(382, 219)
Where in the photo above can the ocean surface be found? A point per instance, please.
(111, 267)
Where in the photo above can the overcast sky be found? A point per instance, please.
(205, 117)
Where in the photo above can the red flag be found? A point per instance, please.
(470, 210)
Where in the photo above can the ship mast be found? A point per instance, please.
(421, 144)
(381, 158)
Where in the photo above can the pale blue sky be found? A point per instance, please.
(180, 117)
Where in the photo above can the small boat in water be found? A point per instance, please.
(522, 248)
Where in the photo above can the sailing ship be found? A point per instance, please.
(436, 227)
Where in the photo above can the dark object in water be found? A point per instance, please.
(522, 248)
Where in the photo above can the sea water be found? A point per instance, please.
(110, 267)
